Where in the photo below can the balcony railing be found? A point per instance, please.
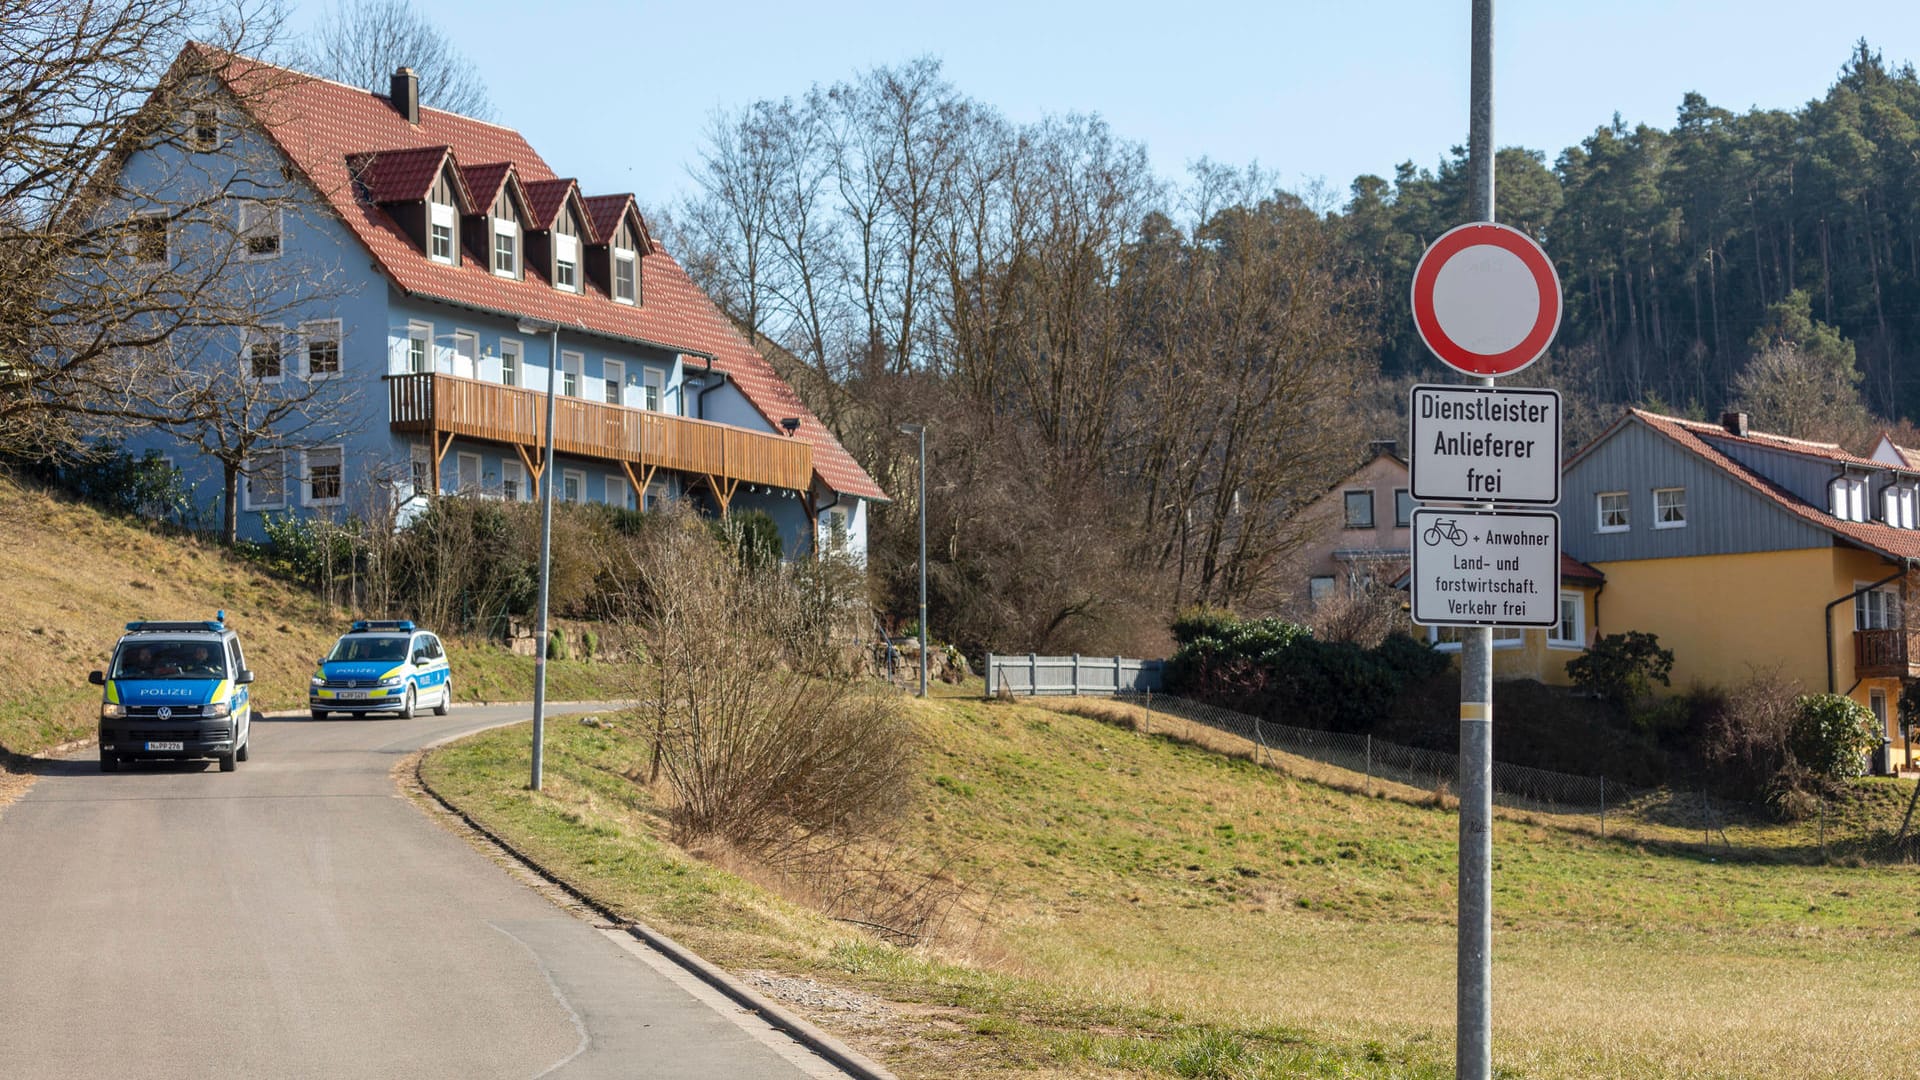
(448, 404)
(1884, 654)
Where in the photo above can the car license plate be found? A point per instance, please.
(353, 695)
(166, 746)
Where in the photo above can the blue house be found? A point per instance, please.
(434, 276)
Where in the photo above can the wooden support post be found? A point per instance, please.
(439, 454)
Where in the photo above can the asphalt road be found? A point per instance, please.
(300, 918)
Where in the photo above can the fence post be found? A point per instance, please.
(1260, 738)
(1033, 675)
(1603, 807)
(1149, 712)
(1823, 829)
(1117, 688)
(989, 686)
(1369, 765)
(1076, 674)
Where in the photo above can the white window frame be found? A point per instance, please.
(312, 332)
(1876, 609)
(421, 333)
(440, 215)
(574, 480)
(653, 389)
(1898, 503)
(265, 335)
(194, 141)
(1504, 637)
(420, 471)
(619, 492)
(1346, 509)
(1660, 513)
(258, 467)
(613, 381)
(307, 463)
(1579, 638)
(631, 260)
(572, 373)
(566, 262)
(513, 481)
(1600, 512)
(1847, 497)
(246, 231)
(511, 230)
(471, 340)
(515, 373)
(469, 472)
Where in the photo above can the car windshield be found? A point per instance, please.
(369, 648)
(170, 660)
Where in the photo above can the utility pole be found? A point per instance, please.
(921, 431)
(532, 326)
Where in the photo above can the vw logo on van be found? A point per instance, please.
(351, 683)
(164, 713)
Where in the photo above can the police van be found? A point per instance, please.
(382, 666)
(175, 691)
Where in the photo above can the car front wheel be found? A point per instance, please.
(446, 698)
(406, 705)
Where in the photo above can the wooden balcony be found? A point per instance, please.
(447, 405)
(1885, 654)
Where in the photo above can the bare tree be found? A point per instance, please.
(363, 42)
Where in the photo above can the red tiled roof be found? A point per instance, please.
(546, 197)
(1805, 447)
(1574, 571)
(400, 175)
(317, 124)
(1872, 535)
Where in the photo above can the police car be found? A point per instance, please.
(382, 666)
(175, 691)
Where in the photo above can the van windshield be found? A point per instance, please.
(369, 648)
(170, 660)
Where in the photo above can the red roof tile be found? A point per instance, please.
(1805, 447)
(318, 123)
(399, 175)
(1872, 535)
(546, 197)
(1573, 571)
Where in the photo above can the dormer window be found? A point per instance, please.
(1898, 505)
(566, 262)
(625, 275)
(506, 248)
(440, 238)
(1847, 498)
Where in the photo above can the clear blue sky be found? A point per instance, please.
(618, 94)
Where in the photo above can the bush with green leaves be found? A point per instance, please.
(112, 479)
(1622, 668)
(1832, 736)
(1277, 669)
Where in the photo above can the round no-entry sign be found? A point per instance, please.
(1486, 299)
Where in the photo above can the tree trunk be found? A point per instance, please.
(230, 491)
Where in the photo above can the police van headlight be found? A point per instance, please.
(112, 711)
(217, 709)
(316, 679)
(393, 680)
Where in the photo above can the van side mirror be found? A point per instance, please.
(97, 678)
(246, 676)
(420, 657)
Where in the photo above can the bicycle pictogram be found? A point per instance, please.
(1444, 529)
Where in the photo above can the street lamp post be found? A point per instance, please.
(921, 431)
(532, 326)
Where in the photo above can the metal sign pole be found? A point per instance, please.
(1474, 992)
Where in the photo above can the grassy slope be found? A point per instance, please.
(73, 576)
(1140, 907)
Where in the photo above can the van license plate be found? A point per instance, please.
(353, 695)
(166, 746)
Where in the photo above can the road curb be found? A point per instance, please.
(842, 1056)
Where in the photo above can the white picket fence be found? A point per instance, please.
(1033, 674)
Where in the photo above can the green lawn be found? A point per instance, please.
(1128, 906)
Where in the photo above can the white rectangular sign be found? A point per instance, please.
(1485, 444)
(1486, 567)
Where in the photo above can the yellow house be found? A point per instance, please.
(1538, 654)
(1747, 552)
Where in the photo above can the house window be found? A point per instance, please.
(656, 496)
(1847, 498)
(1669, 508)
(1320, 589)
(1360, 509)
(323, 468)
(654, 388)
(260, 230)
(419, 348)
(513, 481)
(566, 262)
(1613, 511)
(466, 353)
(148, 240)
(422, 471)
(615, 382)
(573, 486)
(266, 480)
(1897, 505)
(509, 362)
(266, 354)
(617, 489)
(624, 275)
(205, 133)
(1571, 631)
(440, 233)
(467, 473)
(506, 248)
(321, 343)
(1876, 609)
(1403, 505)
(1447, 638)
(570, 366)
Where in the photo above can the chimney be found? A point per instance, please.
(405, 94)
(1735, 423)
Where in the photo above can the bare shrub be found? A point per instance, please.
(760, 728)
(1745, 743)
(1364, 618)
